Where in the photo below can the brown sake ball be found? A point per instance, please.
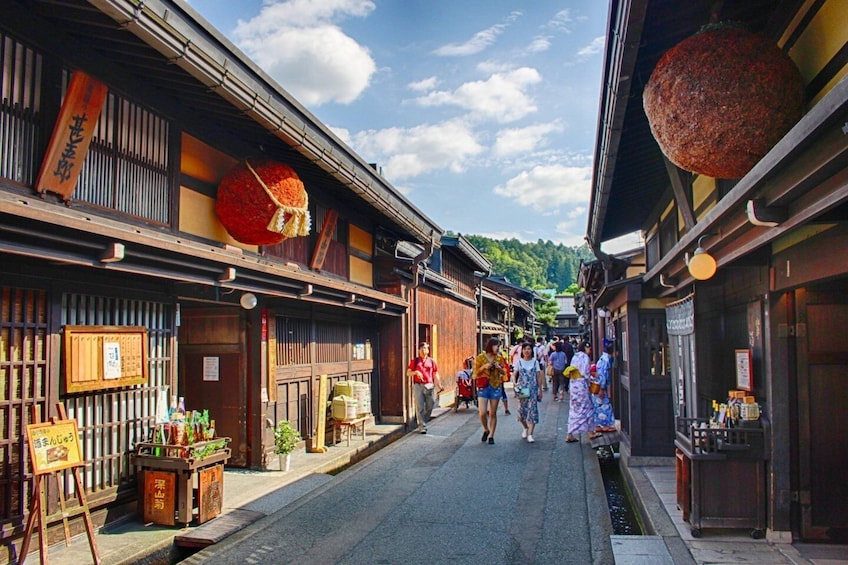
(718, 101)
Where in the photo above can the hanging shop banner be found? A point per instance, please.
(72, 135)
(101, 357)
(680, 316)
(54, 446)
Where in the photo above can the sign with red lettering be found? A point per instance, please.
(54, 446)
(72, 135)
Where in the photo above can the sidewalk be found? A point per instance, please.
(248, 496)
(654, 488)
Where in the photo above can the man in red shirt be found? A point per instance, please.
(425, 379)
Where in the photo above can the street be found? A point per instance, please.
(446, 497)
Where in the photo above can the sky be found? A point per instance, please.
(483, 113)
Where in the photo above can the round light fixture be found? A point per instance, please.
(248, 301)
(702, 265)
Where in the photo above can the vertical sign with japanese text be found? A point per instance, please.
(72, 135)
(159, 502)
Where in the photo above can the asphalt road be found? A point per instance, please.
(445, 497)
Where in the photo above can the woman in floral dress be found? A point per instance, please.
(527, 374)
(604, 418)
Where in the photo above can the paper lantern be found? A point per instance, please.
(718, 101)
(262, 202)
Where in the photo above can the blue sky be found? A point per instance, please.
(482, 112)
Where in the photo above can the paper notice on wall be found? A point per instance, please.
(111, 360)
(211, 369)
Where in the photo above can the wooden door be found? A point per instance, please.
(213, 381)
(823, 426)
(213, 372)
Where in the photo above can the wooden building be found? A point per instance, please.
(777, 234)
(109, 223)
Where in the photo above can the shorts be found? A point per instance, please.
(490, 393)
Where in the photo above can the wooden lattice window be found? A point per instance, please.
(127, 167)
(23, 383)
(111, 422)
(20, 106)
(332, 341)
(293, 341)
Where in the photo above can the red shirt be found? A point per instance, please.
(427, 367)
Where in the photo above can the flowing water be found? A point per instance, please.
(625, 518)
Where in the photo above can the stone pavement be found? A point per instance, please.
(273, 496)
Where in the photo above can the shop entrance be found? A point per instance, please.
(822, 314)
(213, 373)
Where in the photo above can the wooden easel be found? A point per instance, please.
(38, 500)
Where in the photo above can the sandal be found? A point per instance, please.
(570, 439)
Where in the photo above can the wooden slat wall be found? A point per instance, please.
(23, 383)
(111, 422)
(20, 106)
(457, 327)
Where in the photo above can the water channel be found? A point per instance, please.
(622, 509)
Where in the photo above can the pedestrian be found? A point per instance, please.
(507, 365)
(464, 384)
(527, 376)
(489, 373)
(541, 354)
(604, 417)
(558, 364)
(581, 410)
(568, 349)
(425, 379)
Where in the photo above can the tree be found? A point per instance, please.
(546, 310)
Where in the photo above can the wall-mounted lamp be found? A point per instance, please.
(227, 275)
(248, 301)
(603, 313)
(768, 216)
(113, 253)
(702, 266)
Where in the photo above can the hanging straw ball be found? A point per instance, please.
(718, 101)
(262, 202)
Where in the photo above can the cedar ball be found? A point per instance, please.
(718, 101)
(245, 209)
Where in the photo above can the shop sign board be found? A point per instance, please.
(101, 357)
(159, 502)
(54, 446)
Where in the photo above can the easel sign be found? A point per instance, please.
(53, 447)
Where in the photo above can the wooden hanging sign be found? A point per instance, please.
(72, 135)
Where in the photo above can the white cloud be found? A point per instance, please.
(409, 152)
(539, 44)
(501, 97)
(298, 44)
(595, 47)
(546, 188)
(514, 141)
(423, 85)
(478, 42)
(561, 21)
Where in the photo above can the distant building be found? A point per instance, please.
(567, 324)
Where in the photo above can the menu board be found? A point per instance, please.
(54, 446)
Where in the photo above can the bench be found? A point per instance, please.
(349, 426)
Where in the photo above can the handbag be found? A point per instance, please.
(481, 382)
(594, 387)
(523, 392)
(549, 370)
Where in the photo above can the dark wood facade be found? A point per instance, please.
(779, 288)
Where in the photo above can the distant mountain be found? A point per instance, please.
(543, 264)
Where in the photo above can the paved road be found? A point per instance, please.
(445, 497)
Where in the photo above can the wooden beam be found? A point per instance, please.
(680, 185)
(323, 243)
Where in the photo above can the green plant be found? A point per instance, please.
(285, 438)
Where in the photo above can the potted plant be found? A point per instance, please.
(285, 441)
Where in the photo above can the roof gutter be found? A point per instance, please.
(625, 22)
